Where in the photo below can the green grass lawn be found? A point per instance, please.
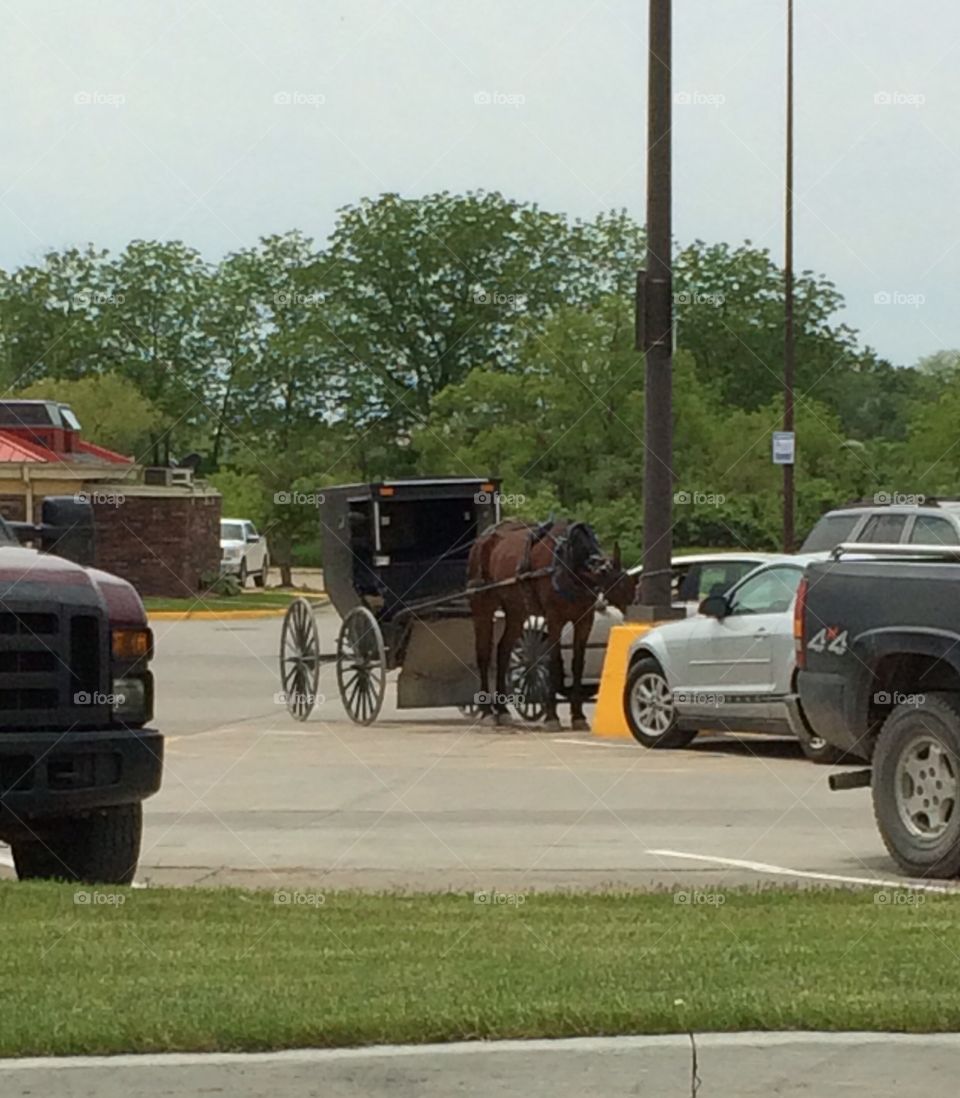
(246, 600)
(223, 969)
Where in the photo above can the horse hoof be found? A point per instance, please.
(580, 724)
(552, 725)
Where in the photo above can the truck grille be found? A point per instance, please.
(53, 666)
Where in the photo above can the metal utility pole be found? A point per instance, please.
(788, 340)
(655, 325)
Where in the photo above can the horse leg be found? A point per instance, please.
(555, 657)
(512, 627)
(581, 633)
(483, 642)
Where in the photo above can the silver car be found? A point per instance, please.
(730, 667)
(694, 576)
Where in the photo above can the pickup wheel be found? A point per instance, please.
(102, 848)
(260, 579)
(242, 574)
(916, 785)
(648, 707)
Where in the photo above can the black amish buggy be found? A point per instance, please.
(395, 568)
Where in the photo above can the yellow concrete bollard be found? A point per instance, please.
(608, 718)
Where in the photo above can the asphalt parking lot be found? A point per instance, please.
(429, 799)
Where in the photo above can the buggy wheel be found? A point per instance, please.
(528, 673)
(361, 665)
(299, 659)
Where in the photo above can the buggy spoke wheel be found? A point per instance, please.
(299, 659)
(361, 665)
(528, 675)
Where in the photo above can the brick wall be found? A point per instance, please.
(161, 544)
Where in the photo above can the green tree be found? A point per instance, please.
(421, 291)
(153, 333)
(49, 317)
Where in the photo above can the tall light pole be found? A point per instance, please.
(655, 325)
(788, 336)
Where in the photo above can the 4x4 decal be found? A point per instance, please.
(829, 639)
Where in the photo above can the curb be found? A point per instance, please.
(225, 615)
(746, 1039)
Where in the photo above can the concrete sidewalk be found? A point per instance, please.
(877, 1065)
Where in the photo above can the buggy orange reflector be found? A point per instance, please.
(486, 487)
(386, 490)
(131, 644)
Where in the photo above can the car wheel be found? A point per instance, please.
(260, 580)
(648, 707)
(242, 574)
(816, 748)
(916, 786)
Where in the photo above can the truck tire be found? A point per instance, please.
(916, 785)
(648, 707)
(102, 848)
(260, 579)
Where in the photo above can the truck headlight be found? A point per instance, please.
(131, 700)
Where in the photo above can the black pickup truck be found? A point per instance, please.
(77, 757)
(878, 653)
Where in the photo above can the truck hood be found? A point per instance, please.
(29, 574)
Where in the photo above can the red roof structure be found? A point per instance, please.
(45, 432)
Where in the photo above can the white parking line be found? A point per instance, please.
(784, 871)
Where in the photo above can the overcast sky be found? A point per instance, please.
(218, 121)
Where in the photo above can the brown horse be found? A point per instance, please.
(556, 570)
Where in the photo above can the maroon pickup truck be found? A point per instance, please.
(76, 695)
